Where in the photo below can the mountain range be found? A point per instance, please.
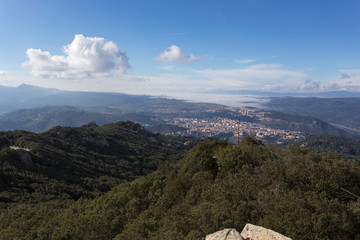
(328, 94)
(38, 109)
(340, 112)
(28, 96)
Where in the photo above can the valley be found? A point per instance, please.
(157, 114)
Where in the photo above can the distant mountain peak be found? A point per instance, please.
(28, 86)
(90, 125)
(25, 85)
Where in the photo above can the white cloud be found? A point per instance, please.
(244, 61)
(265, 66)
(348, 80)
(84, 57)
(345, 76)
(167, 69)
(310, 85)
(138, 79)
(174, 54)
(350, 71)
(259, 77)
(2, 73)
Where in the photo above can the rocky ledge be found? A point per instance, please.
(250, 232)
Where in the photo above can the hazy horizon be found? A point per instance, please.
(244, 98)
(181, 47)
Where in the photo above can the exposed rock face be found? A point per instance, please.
(250, 232)
(226, 234)
(253, 232)
(25, 157)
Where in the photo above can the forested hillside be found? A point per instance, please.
(44, 118)
(73, 163)
(347, 148)
(300, 194)
(341, 111)
(308, 125)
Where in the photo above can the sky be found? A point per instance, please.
(170, 47)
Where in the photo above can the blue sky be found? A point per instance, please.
(165, 47)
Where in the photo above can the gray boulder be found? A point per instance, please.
(226, 234)
(24, 157)
(250, 232)
(253, 232)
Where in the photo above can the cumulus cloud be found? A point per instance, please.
(310, 85)
(84, 57)
(349, 80)
(174, 54)
(345, 76)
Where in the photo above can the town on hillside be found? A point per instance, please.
(225, 121)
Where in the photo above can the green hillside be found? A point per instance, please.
(347, 148)
(341, 111)
(300, 194)
(44, 118)
(308, 125)
(70, 163)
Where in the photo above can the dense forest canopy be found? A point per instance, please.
(70, 163)
(347, 148)
(296, 192)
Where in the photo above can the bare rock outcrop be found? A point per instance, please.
(253, 232)
(226, 234)
(250, 232)
(23, 155)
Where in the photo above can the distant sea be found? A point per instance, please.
(248, 98)
(232, 100)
